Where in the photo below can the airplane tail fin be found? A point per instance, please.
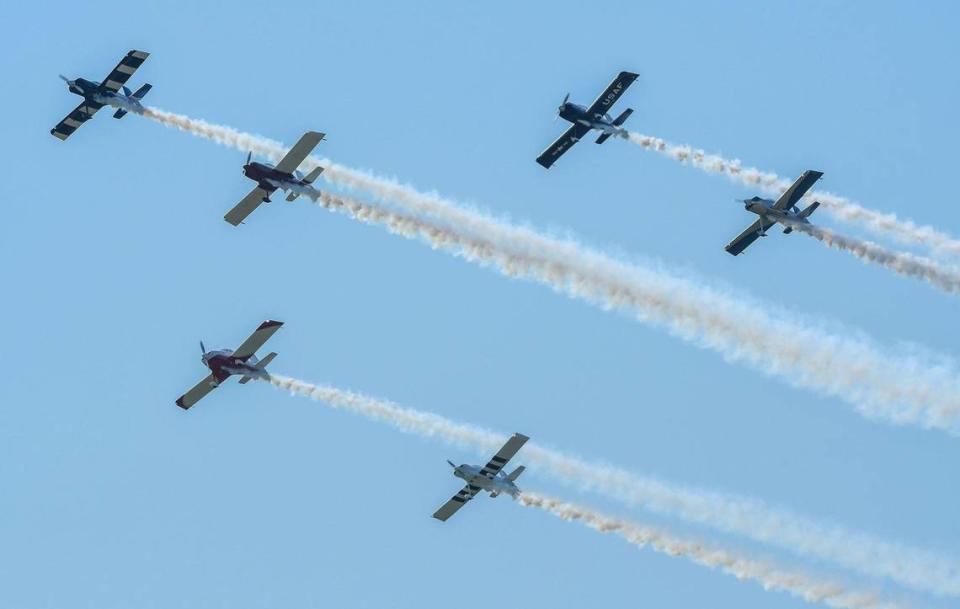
(512, 476)
(809, 210)
(616, 123)
(310, 179)
(136, 96)
(261, 365)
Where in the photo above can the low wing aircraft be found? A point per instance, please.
(271, 177)
(226, 363)
(488, 478)
(585, 119)
(784, 211)
(111, 92)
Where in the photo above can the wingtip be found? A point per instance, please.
(180, 403)
(270, 323)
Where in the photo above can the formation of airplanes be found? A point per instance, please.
(285, 175)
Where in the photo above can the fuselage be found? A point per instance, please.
(496, 485)
(575, 113)
(91, 90)
(270, 178)
(223, 364)
(765, 209)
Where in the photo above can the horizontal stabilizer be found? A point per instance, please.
(120, 113)
(788, 230)
(313, 175)
(623, 117)
(603, 137)
(809, 210)
(515, 473)
(142, 91)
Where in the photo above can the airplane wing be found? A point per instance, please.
(300, 150)
(79, 116)
(799, 188)
(572, 135)
(246, 206)
(256, 340)
(748, 236)
(612, 93)
(503, 455)
(199, 391)
(124, 70)
(456, 502)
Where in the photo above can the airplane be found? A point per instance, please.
(488, 478)
(784, 211)
(108, 93)
(585, 119)
(226, 363)
(283, 175)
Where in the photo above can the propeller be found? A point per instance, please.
(67, 80)
(249, 156)
(451, 464)
(202, 348)
(566, 98)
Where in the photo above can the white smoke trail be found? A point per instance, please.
(902, 263)
(769, 575)
(914, 567)
(884, 224)
(899, 388)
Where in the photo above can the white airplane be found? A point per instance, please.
(784, 211)
(488, 478)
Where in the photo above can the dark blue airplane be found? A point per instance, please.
(283, 175)
(586, 119)
(111, 92)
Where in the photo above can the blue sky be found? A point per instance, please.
(117, 261)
